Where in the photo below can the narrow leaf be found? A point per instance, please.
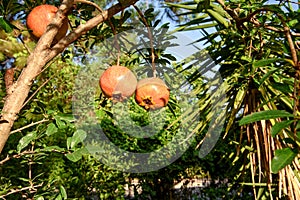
(6, 26)
(24, 141)
(279, 126)
(63, 192)
(236, 107)
(282, 158)
(149, 11)
(66, 117)
(219, 18)
(69, 140)
(284, 88)
(197, 27)
(188, 7)
(264, 115)
(267, 75)
(265, 62)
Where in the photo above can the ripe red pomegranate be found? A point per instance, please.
(152, 93)
(39, 18)
(118, 82)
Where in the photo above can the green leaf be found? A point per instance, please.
(267, 75)
(53, 148)
(39, 198)
(265, 62)
(149, 11)
(188, 7)
(293, 22)
(170, 57)
(74, 157)
(93, 149)
(58, 197)
(60, 124)
(66, 117)
(282, 158)
(100, 113)
(196, 27)
(264, 115)
(69, 140)
(23, 179)
(284, 88)
(279, 126)
(63, 192)
(51, 129)
(78, 137)
(24, 141)
(6, 26)
(239, 98)
(77, 155)
(219, 18)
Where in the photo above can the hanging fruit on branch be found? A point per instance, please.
(118, 83)
(152, 93)
(39, 18)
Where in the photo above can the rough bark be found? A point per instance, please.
(42, 54)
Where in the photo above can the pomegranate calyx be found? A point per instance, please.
(147, 102)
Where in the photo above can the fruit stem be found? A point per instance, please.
(115, 41)
(89, 3)
(150, 38)
(110, 23)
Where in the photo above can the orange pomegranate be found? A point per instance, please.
(152, 93)
(118, 82)
(39, 18)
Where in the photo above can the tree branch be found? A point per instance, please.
(41, 55)
(28, 126)
(16, 156)
(13, 191)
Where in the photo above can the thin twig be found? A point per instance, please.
(110, 23)
(37, 90)
(16, 156)
(116, 42)
(29, 125)
(297, 68)
(30, 162)
(13, 191)
(150, 38)
(24, 44)
(89, 3)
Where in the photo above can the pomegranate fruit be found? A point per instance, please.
(39, 18)
(152, 93)
(118, 82)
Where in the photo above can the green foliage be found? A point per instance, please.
(264, 115)
(282, 158)
(255, 55)
(5, 25)
(45, 156)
